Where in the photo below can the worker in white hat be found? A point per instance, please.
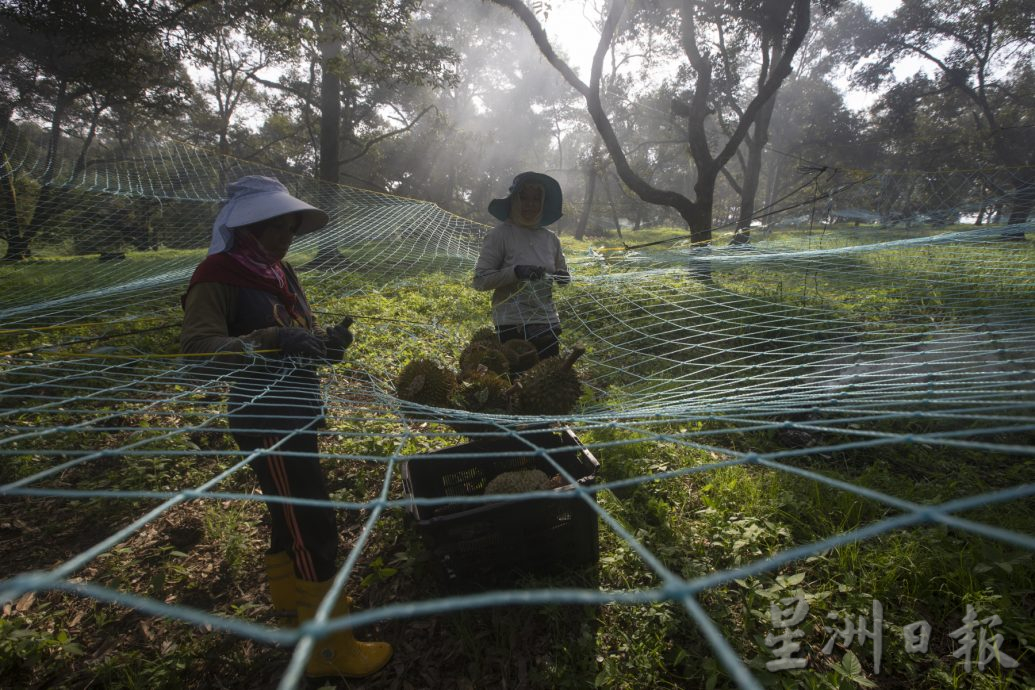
(244, 298)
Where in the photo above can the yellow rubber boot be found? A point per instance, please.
(280, 572)
(339, 654)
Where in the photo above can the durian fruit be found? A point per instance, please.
(486, 334)
(518, 482)
(551, 387)
(478, 355)
(521, 355)
(427, 382)
(483, 391)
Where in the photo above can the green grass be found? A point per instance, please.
(207, 554)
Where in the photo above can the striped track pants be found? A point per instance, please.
(308, 534)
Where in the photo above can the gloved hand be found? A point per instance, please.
(338, 339)
(562, 277)
(524, 272)
(299, 341)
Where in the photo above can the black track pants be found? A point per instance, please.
(308, 534)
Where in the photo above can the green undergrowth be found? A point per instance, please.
(699, 502)
(722, 519)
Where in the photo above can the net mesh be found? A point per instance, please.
(869, 312)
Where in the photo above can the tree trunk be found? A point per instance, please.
(330, 116)
(18, 248)
(1023, 203)
(10, 227)
(698, 216)
(752, 172)
(591, 185)
(611, 205)
(329, 173)
(592, 166)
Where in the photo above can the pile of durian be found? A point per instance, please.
(495, 378)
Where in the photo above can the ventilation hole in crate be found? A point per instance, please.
(465, 483)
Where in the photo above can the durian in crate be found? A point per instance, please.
(551, 387)
(518, 482)
(426, 382)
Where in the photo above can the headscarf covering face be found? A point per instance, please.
(249, 252)
(526, 205)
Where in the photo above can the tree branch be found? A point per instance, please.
(541, 40)
(591, 93)
(781, 70)
(277, 86)
(370, 144)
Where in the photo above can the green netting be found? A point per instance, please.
(869, 311)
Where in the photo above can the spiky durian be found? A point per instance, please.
(551, 387)
(521, 355)
(486, 334)
(477, 355)
(518, 482)
(427, 382)
(483, 391)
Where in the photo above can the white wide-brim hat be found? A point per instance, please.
(254, 198)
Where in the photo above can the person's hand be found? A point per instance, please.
(338, 339)
(299, 341)
(562, 277)
(525, 272)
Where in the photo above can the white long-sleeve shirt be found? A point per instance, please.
(519, 302)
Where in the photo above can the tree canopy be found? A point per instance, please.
(694, 112)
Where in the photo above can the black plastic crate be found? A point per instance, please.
(476, 543)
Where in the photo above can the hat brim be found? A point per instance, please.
(552, 198)
(266, 206)
(500, 208)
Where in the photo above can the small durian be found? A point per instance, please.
(477, 355)
(427, 382)
(521, 355)
(518, 482)
(486, 334)
(551, 387)
(483, 391)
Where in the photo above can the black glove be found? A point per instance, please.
(338, 339)
(299, 341)
(524, 272)
(562, 277)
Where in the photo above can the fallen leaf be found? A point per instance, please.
(25, 602)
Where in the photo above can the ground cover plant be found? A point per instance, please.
(781, 403)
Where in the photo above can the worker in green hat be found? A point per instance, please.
(521, 260)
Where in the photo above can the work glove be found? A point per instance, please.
(299, 341)
(562, 277)
(338, 339)
(524, 272)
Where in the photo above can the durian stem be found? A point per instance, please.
(572, 357)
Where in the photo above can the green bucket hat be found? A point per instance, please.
(500, 208)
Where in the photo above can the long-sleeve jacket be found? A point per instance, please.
(517, 302)
(266, 392)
